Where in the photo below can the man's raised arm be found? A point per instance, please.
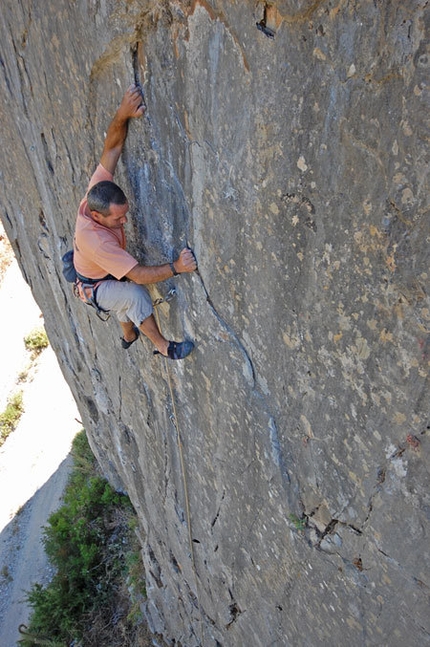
(131, 107)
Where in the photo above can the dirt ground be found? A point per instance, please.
(34, 460)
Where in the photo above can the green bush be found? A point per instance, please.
(86, 541)
(9, 418)
(298, 522)
(36, 340)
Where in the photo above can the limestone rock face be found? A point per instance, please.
(281, 472)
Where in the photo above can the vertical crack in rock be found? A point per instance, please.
(215, 519)
(46, 153)
(154, 567)
(277, 453)
(136, 65)
(231, 332)
(270, 21)
(24, 79)
(175, 564)
(235, 611)
(69, 158)
(6, 77)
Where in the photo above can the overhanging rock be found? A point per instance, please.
(286, 142)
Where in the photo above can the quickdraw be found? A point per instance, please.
(169, 296)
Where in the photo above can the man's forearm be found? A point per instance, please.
(114, 142)
(131, 106)
(186, 263)
(153, 274)
(116, 132)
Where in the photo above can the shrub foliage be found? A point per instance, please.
(88, 541)
(36, 340)
(9, 418)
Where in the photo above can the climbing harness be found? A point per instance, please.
(86, 292)
(83, 287)
(174, 419)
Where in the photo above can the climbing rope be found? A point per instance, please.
(175, 421)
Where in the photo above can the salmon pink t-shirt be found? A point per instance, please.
(99, 250)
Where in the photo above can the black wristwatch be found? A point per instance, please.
(172, 267)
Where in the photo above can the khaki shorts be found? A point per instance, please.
(129, 301)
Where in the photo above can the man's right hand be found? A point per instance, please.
(132, 105)
(186, 261)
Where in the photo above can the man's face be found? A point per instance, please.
(116, 217)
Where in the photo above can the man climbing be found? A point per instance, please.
(116, 280)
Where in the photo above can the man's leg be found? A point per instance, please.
(150, 329)
(128, 330)
(132, 302)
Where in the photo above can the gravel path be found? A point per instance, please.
(34, 460)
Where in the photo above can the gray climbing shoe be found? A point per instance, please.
(178, 349)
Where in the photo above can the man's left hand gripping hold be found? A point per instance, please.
(99, 244)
